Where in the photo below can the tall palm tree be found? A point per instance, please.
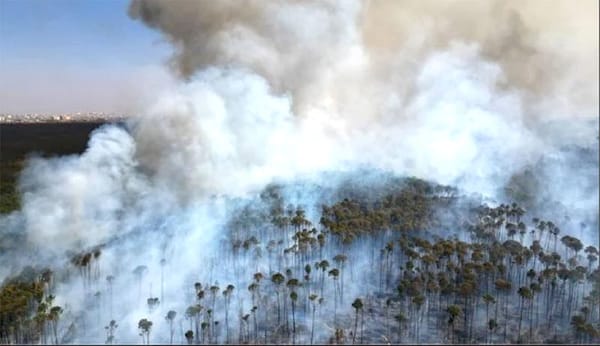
(145, 325)
(524, 293)
(53, 317)
(340, 260)
(227, 295)
(253, 311)
(291, 285)
(357, 305)
(110, 331)
(323, 265)
(504, 286)
(418, 302)
(307, 284)
(293, 298)
(334, 273)
(278, 279)
(189, 336)
(171, 318)
(214, 290)
(139, 273)
(535, 289)
(488, 299)
(253, 288)
(401, 319)
(152, 303)
(453, 312)
(193, 314)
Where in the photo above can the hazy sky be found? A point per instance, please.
(71, 55)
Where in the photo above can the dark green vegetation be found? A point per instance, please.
(18, 141)
(516, 279)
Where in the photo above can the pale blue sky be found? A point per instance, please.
(69, 55)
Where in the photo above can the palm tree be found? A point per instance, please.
(53, 317)
(170, 318)
(492, 325)
(453, 312)
(340, 260)
(466, 290)
(307, 271)
(401, 319)
(253, 288)
(488, 299)
(278, 279)
(253, 311)
(189, 336)
(193, 313)
(357, 305)
(41, 317)
(152, 303)
(110, 331)
(418, 301)
(334, 273)
(214, 290)
(244, 325)
(504, 286)
(139, 273)
(294, 298)
(535, 289)
(323, 265)
(144, 325)
(227, 295)
(578, 324)
(592, 256)
(524, 293)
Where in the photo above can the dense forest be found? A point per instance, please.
(400, 261)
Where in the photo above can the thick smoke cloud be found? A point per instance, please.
(544, 50)
(465, 93)
(489, 83)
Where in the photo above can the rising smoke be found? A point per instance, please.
(464, 93)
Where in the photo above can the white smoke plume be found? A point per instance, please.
(465, 93)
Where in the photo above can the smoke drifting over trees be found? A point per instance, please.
(251, 192)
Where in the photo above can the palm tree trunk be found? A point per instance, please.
(362, 323)
(520, 320)
(227, 320)
(355, 327)
(399, 332)
(278, 308)
(54, 328)
(312, 328)
(334, 306)
(487, 318)
(530, 320)
(293, 323)
(255, 327)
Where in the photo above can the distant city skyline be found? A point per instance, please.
(76, 56)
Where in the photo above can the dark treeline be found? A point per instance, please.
(408, 261)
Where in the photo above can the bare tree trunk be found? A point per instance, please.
(312, 328)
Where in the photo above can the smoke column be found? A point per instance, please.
(464, 93)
